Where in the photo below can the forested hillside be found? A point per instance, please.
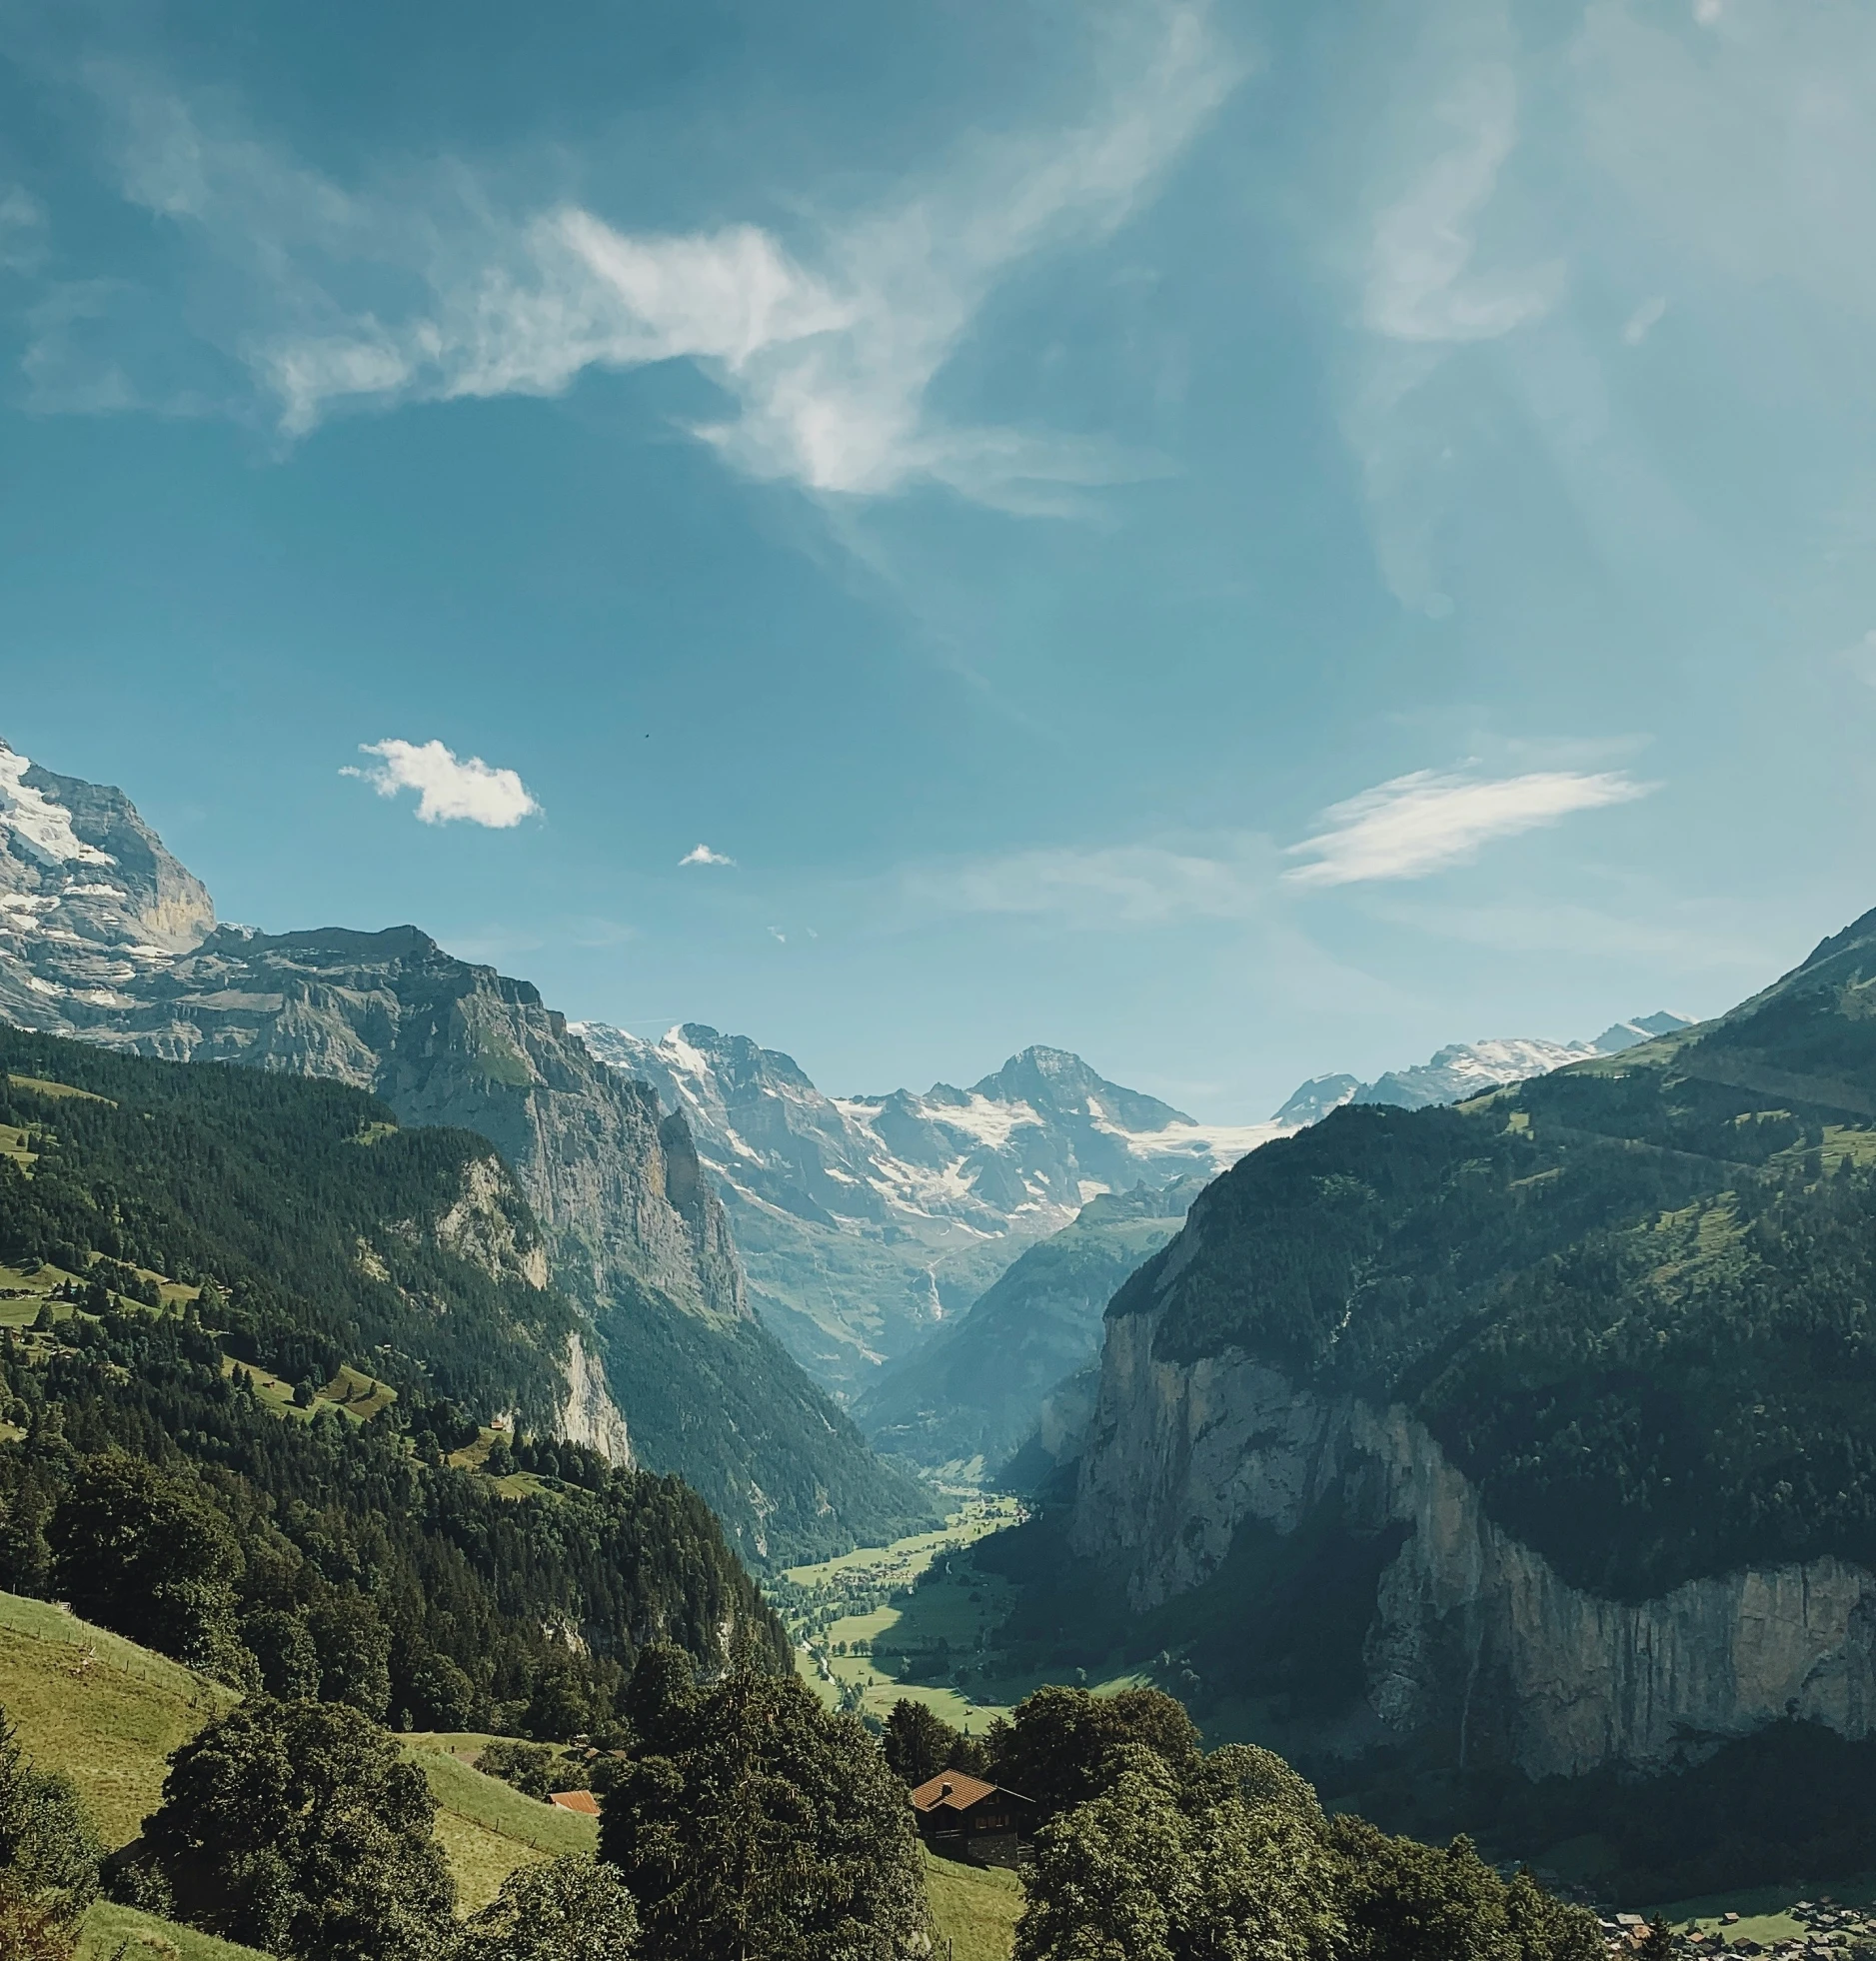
(216, 1231)
(1632, 1299)
(1489, 1458)
(324, 1230)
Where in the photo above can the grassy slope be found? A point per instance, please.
(487, 1827)
(109, 1931)
(973, 1908)
(98, 1707)
(108, 1713)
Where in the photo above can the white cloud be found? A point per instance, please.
(1422, 284)
(826, 344)
(1423, 823)
(1643, 320)
(1099, 886)
(22, 230)
(702, 855)
(1437, 282)
(448, 787)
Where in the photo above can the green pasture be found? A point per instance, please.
(121, 1933)
(98, 1707)
(41, 1087)
(487, 1828)
(1761, 1910)
(942, 1597)
(973, 1909)
(108, 1713)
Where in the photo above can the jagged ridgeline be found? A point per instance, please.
(1533, 1435)
(209, 1227)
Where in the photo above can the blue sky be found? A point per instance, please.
(1242, 541)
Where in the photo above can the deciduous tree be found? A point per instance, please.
(300, 1828)
(755, 1825)
(568, 1909)
(148, 1554)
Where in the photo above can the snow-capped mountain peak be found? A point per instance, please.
(1468, 1068)
(864, 1220)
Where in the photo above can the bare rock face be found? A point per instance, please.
(444, 1042)
(1473, 1635)
(91, 903)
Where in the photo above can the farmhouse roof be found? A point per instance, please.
(583, 1802)
(954, 1790)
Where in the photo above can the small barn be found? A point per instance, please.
(584, 1802)
(963, 1817)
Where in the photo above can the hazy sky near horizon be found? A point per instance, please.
(1243, 541)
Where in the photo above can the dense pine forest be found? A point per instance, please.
(213, 1229)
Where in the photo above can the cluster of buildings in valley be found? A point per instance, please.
(1827, 1932)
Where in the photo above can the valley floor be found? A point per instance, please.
(915, 1620)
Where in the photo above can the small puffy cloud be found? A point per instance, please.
(1420, 823)
(702, 855)
(448, 787)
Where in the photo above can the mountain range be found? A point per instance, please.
(106, 938)
(1466, 1068)
(867, 1224)
(1013, 1370)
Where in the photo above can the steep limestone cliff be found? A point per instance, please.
(1473, 1635)
(1560, 1398)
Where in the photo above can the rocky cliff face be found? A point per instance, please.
(979, 1387)
(91, 905)
(633, 1230)
(614, 1183)
(1473, 1637)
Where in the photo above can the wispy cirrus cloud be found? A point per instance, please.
(827, 342)
(1220, 877)
(1427, 822)
(450, 788)
(1407, 828)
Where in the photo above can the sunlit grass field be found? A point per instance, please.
(973, 1908)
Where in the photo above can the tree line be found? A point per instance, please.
(744, 1822)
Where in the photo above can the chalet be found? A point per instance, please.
(963, 1817)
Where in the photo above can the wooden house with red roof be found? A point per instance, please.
(963, 1817)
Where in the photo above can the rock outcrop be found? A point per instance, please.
(1474, 1637)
